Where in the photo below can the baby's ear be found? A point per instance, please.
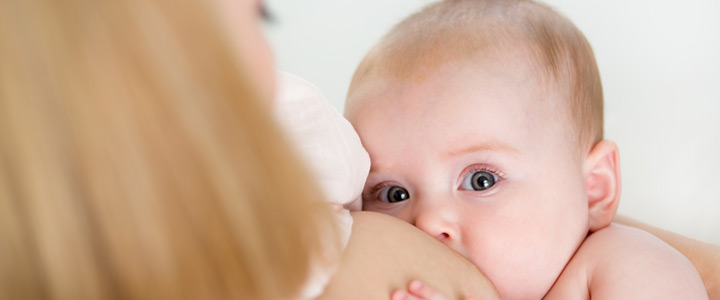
(602, 182)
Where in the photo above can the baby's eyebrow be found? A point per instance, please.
(486, 146)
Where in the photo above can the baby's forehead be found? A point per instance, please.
(468, 90)
(513, 69)
(395, 119)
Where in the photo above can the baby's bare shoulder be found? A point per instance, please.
(620, 262)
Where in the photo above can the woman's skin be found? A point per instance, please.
(244, 17)
(384, 254)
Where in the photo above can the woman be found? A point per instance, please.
(138, 159)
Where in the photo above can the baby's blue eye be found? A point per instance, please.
(394, 193)
(479, 181)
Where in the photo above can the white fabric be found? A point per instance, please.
(331, 149)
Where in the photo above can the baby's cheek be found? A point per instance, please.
(520, 263)
(387, 209)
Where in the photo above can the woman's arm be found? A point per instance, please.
(385, 253)
(705, 257)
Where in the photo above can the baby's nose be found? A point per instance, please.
(439, 222)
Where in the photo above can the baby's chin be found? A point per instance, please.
(511, 280)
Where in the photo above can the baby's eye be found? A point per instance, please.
(478, 181)
(393, 193)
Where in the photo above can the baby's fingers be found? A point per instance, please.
(419, 291)
(402, 295)
(422, 291)
(416, 291)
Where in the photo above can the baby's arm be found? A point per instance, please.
(621, 262)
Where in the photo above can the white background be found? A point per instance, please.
(660, 66)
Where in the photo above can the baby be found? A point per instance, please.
(484, 125)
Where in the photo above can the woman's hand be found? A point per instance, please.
(418, 290)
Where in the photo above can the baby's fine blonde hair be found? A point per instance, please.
(455, 31)
(137, 162)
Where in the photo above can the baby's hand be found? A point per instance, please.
(417, 290)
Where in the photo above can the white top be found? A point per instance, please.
(332, 151)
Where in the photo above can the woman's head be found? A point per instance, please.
(137, 161)
(242, 20)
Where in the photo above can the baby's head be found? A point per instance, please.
(493, 34)
(483, 120)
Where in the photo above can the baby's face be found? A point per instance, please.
(481, 159)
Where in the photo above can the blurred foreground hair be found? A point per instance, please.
(136, 161)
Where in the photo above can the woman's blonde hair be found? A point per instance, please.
(136, 161)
